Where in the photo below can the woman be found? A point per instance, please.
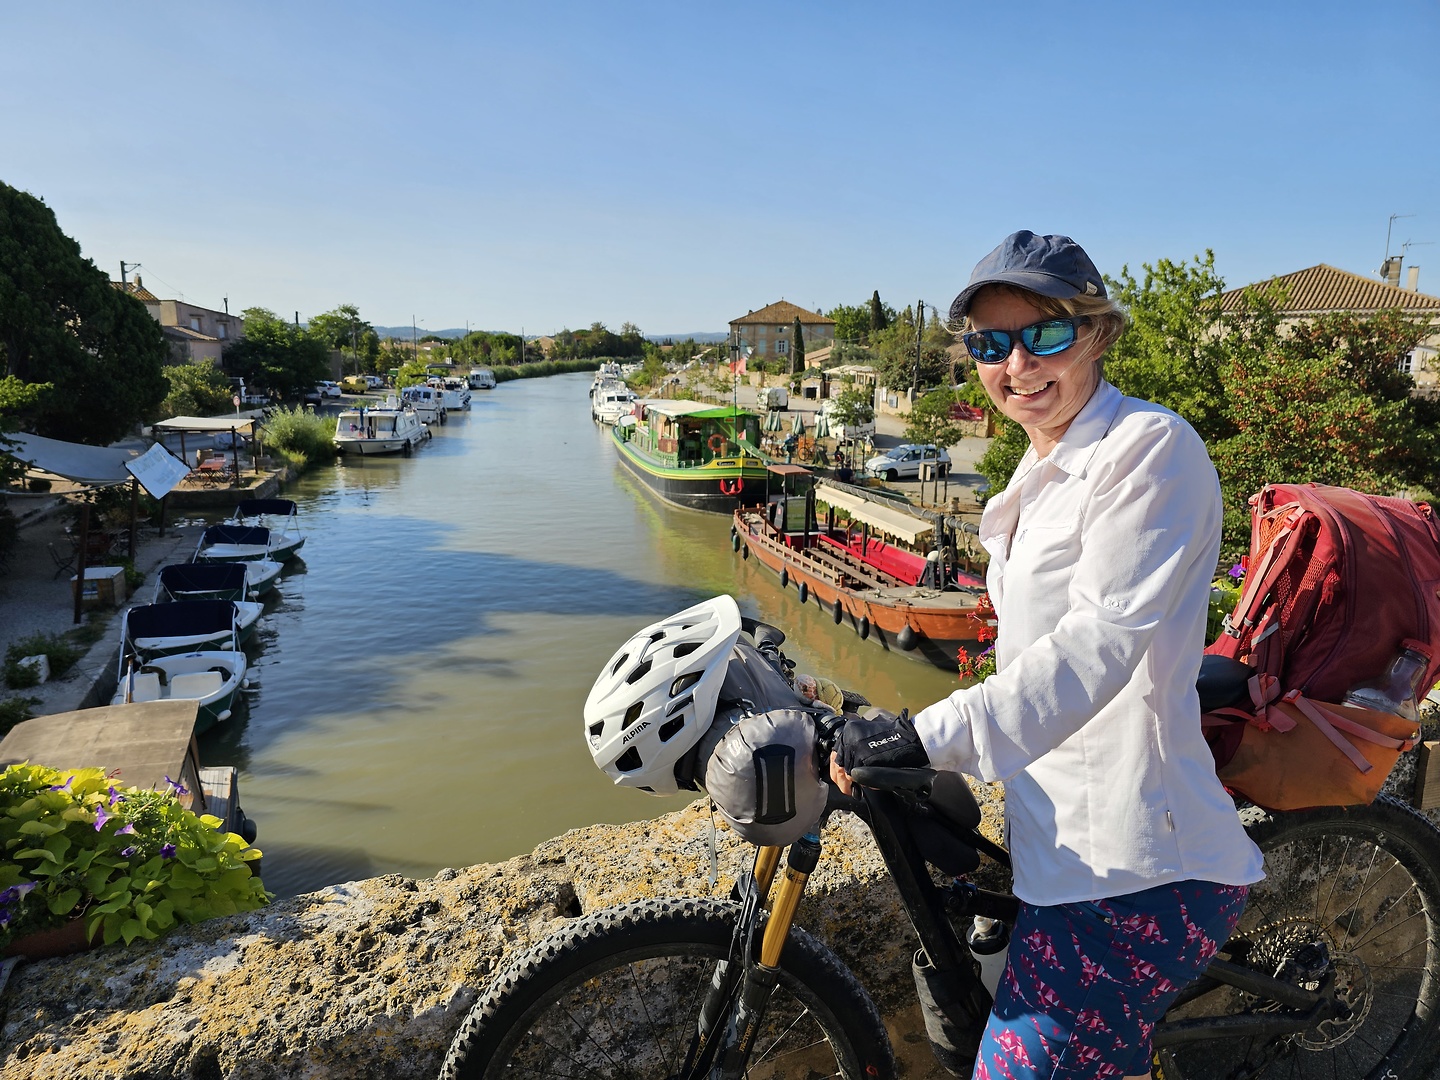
(1128, 855)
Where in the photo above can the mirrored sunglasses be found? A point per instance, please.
(1044, 338)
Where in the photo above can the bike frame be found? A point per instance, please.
(741, 986)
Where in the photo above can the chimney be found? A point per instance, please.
(1412, 279)
(1390, 270)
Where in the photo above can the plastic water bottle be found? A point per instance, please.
(1397, 690)
(989, 942)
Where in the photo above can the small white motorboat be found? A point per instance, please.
(427, 401)
(481, 378)
(392, 429)
(612, 402)
(280, 516)
(191, 625)
(211, 678)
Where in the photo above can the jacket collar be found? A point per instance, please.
(1072, 454)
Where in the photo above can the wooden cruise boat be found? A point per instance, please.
(699, 456)
(831, 544)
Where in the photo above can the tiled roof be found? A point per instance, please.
(782, 312)
(186, 334)
(1324, 288)
(144, 295)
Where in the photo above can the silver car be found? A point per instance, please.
(903, 462)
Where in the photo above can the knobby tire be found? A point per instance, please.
(1364, 881)
(617, 994)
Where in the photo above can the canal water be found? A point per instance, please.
(422, 674)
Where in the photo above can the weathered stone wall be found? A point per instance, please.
(372, 978)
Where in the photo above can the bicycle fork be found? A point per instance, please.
(735, 1003)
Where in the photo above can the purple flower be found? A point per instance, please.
(167, 851)
(65, 786)
(125, 829)
(100, 818)
(128, 852)
(176, 787)
(1237, 571)
(115, 797)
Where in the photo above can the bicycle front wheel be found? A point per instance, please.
(1349, 891)
(619, 994)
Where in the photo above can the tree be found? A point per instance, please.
(15, 397)
(344, 330)
(63, 324)
(278, 355)
(852, 322)
(894, 348)
(853, 406)
(879, 317)
(930, 422)
(196, 390)
(797, 351)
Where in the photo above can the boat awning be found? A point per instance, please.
(891, 520)
(780, 469)
(97, 465)
(206, 423)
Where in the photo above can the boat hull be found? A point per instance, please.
(714, 488)
(938, 622)
(157, 682)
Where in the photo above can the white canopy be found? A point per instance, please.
(97, 465)
(206, 423)
(892, 520)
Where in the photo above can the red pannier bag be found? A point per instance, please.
(1338, 583)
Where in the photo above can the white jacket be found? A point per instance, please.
(1101, 557)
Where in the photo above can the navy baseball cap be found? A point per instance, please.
(1049, 265)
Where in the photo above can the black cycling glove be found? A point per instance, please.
(890, 743)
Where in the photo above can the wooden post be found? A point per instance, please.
(80, 553)
(1427, 777)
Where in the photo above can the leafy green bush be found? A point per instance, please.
(507, 372)
(62, 655)
(196, 390)
(132, 863)
(300, 437)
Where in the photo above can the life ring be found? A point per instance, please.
(716, 443)
(727, 488)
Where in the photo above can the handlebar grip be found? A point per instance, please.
(762, 632)
(885, 779)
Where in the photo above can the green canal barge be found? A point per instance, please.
(700, 456)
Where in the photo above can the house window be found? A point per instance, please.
(782, 347)
(1407, 363)
(220, 331)
(194, 322)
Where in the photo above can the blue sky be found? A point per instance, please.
(548, 164)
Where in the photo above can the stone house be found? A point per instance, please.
(768, 332)
(193, 333)
(1318, 290)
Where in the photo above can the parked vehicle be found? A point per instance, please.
(328, 389)
(846, 432)
(374, 382)
(903, 462)
(354, 384)
(773, 397)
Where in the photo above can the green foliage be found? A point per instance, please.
(852, 323)
(277, 354)
(849, 353)
(64, 325)
(930, 422)
(1002, 458)
(853, 406)
(61, 653)
(797, 351)
(880, 317)
(545, 368)
(15, 710)
(196, 390)
(16, 398)
(599, 342)
(894, 349)
(300, 437)
(344, 330)
(131, 863)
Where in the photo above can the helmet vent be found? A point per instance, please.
(641, 670)
(629, 761)
(685, 648)
(619, 662)
(671, 728)
(684, 682)
(632, 714)
(596, 730)
(675, 706)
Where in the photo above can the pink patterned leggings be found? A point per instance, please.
(1085, 983)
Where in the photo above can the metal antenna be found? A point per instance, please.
(1387, 235)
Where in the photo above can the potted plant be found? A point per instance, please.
(109, 864)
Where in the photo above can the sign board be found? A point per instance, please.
(158, 471)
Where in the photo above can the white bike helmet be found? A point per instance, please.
(656, 697)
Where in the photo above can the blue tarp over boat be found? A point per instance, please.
(242, 535)
(248, 508)
(181, 578)
(180, 620)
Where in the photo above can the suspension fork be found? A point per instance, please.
(739, 991)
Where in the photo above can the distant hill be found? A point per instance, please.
(704, 337)
(404, 332)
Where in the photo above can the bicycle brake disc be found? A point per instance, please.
(1302, 952)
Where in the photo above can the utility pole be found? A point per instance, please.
(126, 269)
(919, 337)
(414, 339)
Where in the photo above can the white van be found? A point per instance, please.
(774, 397)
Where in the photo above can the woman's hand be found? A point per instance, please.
(843, 780)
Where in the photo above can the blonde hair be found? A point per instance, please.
(1105, 315)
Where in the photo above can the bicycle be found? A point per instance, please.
(1334, 970)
